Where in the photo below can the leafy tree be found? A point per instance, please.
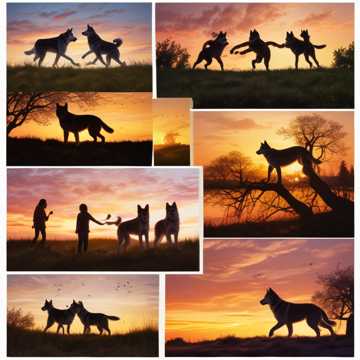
(16, 318)
(344, 57)
(170, 54)
(345, 178)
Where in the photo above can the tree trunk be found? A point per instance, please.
(350, 326)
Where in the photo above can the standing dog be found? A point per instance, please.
(99, 47)
(88, 319)
(61, 317)
(280, 158)
(259, 47)
(138, 226)
(305, 47)
(70, 122)
(168, 226)
(57, 45)
(213, 49)
(287, 313)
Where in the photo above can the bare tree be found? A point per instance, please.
(337, 295)
(321, 137)
(16, 318)
(37, 106)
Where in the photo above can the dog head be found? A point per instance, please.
(47, 306)
(69, 36)
(172, 211)
(143, 214)
(221, 38)
(305, 34)
(289, 38)
(89, 31)
(254, 35)
(61, 109)
(75, 307)
(269, 298)
(264, 147)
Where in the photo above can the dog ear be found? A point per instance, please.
(138, 207)
(147, 207)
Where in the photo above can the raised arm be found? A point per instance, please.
(246, 43)
(48, 216)
(94, 220)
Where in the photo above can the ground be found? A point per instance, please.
(172, 155)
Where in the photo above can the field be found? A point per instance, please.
(102, 255)
(139, 343)
(36, 152)
(261, 346)
(167, 155)
(329, 224)
(131, 78)
(323, 88)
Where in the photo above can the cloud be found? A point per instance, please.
(315, 18)
(64, 14)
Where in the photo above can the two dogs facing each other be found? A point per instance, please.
(214, 49)
(65, 317)
(59, 44)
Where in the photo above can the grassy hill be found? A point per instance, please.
(168, 155)
(36, 152)
(338, 346)
(102, 255)
(129, 78)
(321, 88)
(139, 343)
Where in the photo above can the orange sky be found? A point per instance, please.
(243, 131)
(225, 301)
(133, 298)
(28, 22)
(172, 119)
(129, 114)
(192, 24)
(105, 191)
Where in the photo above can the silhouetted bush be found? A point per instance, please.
(170, 54)
(344, 57)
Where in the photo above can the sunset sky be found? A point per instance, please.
(29, 22)
(226, 131)
(171, 121)
(105, 191)
(133, 298)
(129, 114)
(225, 300)
(192, 24)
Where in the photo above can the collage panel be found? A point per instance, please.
(276, 173)
(108, 219)
(172, 132)
(79, 129)
(256, 55)
(82, 307)
(79, 47)
(264, 297)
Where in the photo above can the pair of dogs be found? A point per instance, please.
(59, 45)
(214, 49)
(66, 317)
(140, 226)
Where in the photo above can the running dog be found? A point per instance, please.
(88, 319)
(305, 47)
(70, 122)
(168, 226)
(259, 47)
(280, 158)
(213, 49)
(287, 313)
(99, 47)
(138, 226)
(61, 317)
(57, 45)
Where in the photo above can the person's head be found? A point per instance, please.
(83, 208)
(42, 203)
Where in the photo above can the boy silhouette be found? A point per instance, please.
(82, 227)
(39, 220)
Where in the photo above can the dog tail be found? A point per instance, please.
(318, 46)
(29, 52)
(326, 319)
(118, 42)
(106, 128)
(112, 317)
(272, 43)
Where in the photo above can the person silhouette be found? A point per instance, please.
(82, 227)
(39, 220)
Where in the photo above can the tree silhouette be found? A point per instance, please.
(16, 318)
(337, 295)
(170, 54)
(345, 178)
(37, 106)
(344, 57)
(321, 137)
